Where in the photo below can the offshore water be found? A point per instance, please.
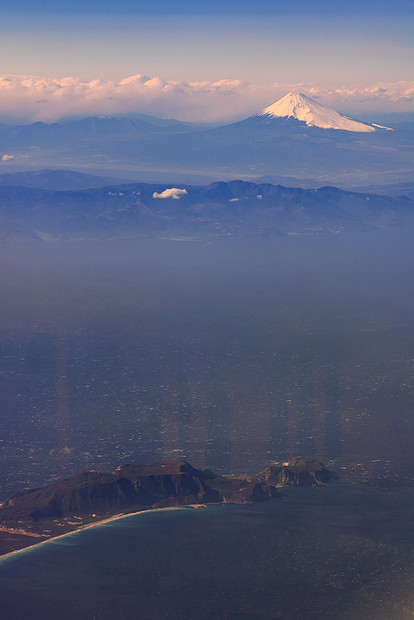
(231, 355)
(339, 552)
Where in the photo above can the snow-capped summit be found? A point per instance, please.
(314, 114)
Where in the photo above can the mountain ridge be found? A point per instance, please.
(220, 209)
(260, 145)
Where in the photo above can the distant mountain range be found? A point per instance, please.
(220, 209)
(295, 138)
(59, 180)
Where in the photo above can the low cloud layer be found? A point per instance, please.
(31, 98)
(172, 192)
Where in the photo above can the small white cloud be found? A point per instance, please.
(172, 192)
(234, 199)
(6, 157)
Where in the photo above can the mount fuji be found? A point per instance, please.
(314, 114)
(296, 141)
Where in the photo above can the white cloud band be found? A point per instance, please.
(32, 98)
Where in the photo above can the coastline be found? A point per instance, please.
(87, 526)
(44, 514)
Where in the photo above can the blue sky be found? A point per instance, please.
(183, 39)
(326, 44)
(205, 6)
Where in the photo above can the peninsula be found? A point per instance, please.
(91, 497)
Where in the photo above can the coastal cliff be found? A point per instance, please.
(298, 471)
(92, 496)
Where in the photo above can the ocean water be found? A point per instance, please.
(342, 552)
(231, 355)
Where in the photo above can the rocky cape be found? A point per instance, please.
(91, 496)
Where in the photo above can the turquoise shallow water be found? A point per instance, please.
(339, 552)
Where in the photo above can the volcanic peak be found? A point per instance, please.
(304, 108)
